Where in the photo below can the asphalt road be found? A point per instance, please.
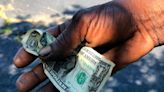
(36, 7)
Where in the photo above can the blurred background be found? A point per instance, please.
(18, 16)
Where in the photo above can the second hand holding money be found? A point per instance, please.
(109, 28)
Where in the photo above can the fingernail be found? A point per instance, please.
(45, 51)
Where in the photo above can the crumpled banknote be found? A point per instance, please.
(86, 71)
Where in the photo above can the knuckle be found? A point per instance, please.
(21, 85)
(30, 79)
(26, 82)
(80, 16)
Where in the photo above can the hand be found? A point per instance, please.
(120, 30)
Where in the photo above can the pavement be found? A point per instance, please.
(146, 75)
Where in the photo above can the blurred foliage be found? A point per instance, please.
(7, 20)
(6, 31)
(2, 14)
(3, 9)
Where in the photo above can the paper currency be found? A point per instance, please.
(86, 71)
(34, 40)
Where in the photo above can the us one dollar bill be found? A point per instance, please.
(86, 71)
(34, 40)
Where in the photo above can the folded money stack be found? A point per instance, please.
(86, 71)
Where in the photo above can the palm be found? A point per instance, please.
(130, 51)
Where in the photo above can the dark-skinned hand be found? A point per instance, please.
(122, 30)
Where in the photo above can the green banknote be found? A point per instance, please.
(34, 40)
(86, 71)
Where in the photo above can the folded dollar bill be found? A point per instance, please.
(34, 40)
(86, 71)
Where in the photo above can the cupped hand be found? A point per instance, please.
(114, 29)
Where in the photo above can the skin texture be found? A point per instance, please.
(122, 30)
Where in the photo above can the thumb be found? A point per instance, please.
(68, 40)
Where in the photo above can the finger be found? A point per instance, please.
(22, 58)
(95, 27)
(68, 40)
(56, 30)
(49, 87)
(29, 80)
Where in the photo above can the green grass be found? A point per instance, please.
(6, 31)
